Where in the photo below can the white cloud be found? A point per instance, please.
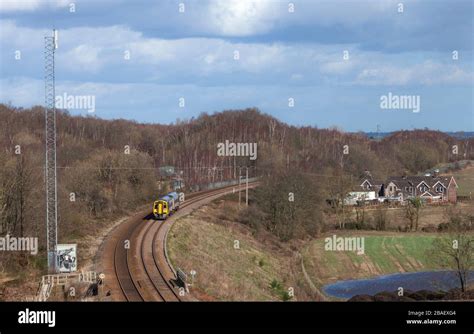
(426, 73)
(21, 37)
(242, 17)
(25, 91)
(296, 76)
(337, 67)
(84, 57)
(100, 51)
(22, 91)
(253, 17)
(209, 55)
(347, 12)
(430, 73)
(30, 5)
(384, 75)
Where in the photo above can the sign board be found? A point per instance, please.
(66, 257)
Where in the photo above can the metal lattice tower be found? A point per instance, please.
(50, 45)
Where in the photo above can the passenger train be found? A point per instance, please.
(166, 205)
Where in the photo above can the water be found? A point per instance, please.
(424, 280)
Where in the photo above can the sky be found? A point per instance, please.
(321, 63)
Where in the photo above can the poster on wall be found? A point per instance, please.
(67, 257)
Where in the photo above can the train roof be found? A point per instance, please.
(169, 196)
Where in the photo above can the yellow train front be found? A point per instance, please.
(166, 205)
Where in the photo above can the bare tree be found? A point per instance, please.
(15, 191)
(412, 213)
(339, 187)
(456, 249)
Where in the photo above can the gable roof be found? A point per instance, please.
(366, 180)
(439, 183)
(374, 185)
(430, 194)
(451, 179)
(400, 182)
(415, 181)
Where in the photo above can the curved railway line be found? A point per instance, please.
(142, 272)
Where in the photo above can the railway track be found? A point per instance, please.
(142, 272)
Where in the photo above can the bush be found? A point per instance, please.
(275, 285)
(443, 227)
(278, 288)
(354, 225)
(285, 296)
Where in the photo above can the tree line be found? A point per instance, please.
(106, 167)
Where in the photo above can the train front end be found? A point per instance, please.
(161, 208)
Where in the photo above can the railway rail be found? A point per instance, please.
(142, 271)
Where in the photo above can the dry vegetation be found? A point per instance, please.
(395, 217)
(261, 269)
(465, 179)
(108, 183)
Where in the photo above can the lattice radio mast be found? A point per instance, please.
(50, 46)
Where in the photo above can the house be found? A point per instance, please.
(430, 188)
(356, 197)
(377, 186)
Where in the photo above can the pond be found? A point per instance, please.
(424, 280)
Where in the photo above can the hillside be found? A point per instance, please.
(230, 262)
(108, 167)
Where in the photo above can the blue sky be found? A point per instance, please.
(282, 55)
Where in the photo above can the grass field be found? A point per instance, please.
(464, 177)
(465, 180)
(385, 253)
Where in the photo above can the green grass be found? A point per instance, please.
(384, 254)
(465, 180)
(464, 177)
(387, 251)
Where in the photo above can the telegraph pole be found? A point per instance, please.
(50, 46)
